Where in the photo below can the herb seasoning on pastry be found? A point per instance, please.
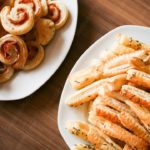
(44, 31)
(58, 13)
(17, 20)
(34, 4)
(6, 72)
(35, 55)
(13, 51)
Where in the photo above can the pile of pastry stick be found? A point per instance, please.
(116, 88)
(26, 27)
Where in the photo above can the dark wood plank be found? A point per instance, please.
(32, 122)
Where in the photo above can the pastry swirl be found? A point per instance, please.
(58, 13)
(17, 20)
(35, 55)
(6, 72)
(13, 51)
(44, 7)
(34, 4)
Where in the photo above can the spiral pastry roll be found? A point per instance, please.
(44, 7)
(58, 13)
(35, 55)
(6, 72)
(34, 4)
(44, 31)
(17, 20)
(13, 51)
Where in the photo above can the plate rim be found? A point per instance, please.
(76, 63)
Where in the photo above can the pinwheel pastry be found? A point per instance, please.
(13, 51)
(34, 4)
(17, 20)
(44, 7)
(44, 31)
(58, 13)
(35, 55)
(6, 72)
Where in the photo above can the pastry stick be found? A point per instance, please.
(133, 125)
(83, 147)
(132, 43)
(125, 59)
(115, 100)
(139, 78)
(108, 113)
(113, 103)
(142, 113)
(91, 92)
(117, 70)
(87, 76)
(116, 131)
(136, 95)
(139, 64)
(93, 135)
(127, 147)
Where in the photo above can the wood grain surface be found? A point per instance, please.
(31, 124)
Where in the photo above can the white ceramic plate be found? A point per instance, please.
(25, 83)
(66, 113)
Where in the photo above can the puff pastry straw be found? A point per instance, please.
(91, 92)
(118, 132)
(142, 113)
(92, 135)
(131, 42)
(136, 95)
(133, 125)
(86, 76)
(139, 78)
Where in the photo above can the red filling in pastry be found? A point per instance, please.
(54, 12)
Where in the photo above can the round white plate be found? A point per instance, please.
(25, 83)
(80, 113)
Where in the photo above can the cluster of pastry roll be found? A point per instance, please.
(116, 89)
(26, 27)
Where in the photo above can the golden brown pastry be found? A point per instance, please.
(44, 7)
(17, 20)
(13, 51)
(6, 72)
(5, 3)
(35, 55)
(34, 4)
(44, 31)
(58, 13)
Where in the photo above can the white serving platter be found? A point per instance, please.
(93, 52)
(25, 83)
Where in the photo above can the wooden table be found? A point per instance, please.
(31, 124)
